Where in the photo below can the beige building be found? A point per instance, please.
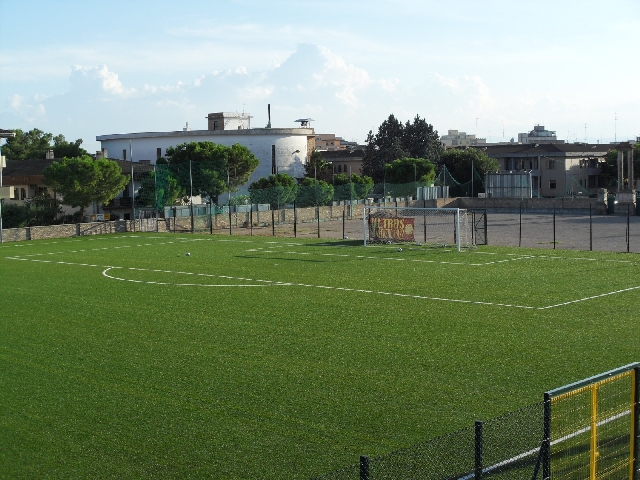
(454, 139)
(557, 170)
(328, 142)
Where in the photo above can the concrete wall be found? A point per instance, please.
(81, 229)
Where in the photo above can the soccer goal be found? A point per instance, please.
(438, 227)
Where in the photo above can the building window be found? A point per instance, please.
(552, 184)
(124, 153)
(274, 167)
(158, 152)
(215, 124)
(339, 168)
(551, 165)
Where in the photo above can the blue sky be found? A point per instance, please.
(492, 67)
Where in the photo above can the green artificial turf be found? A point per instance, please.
(122, 357)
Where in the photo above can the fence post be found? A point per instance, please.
(486, 230)
(590, 230)
(295, 221)
(520, 233)
(546, 461)
(364, 467)
(273, 223)
(636, 457)
(554, 226)
(628, 227)
(478, 456)
(343, 217)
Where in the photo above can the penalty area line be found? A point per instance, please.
(149, 282)
(593, 297)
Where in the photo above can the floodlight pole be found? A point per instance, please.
(191, 193)
(133, 189)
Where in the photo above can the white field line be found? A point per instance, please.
(180, 240)
(107, 268)
(104, 272)
(554, 442)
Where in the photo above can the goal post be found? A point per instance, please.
(437, 227)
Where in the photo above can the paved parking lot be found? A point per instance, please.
(572, 232)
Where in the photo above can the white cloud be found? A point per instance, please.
(31, 112)
(108, 81)
(257, 92)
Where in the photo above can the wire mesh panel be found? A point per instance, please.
(447, 457)
(511, 443)
(593, 427)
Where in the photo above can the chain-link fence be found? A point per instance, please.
(507, 447)
(564, 230)
(588, 429)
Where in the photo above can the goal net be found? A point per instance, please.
(438, 227)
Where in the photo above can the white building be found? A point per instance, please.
(280, 150)
(454, 138)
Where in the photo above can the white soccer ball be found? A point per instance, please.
(388, 242)
(346, 238)
(188, 254)
(399, 249)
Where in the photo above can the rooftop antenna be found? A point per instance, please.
(305, 122)
(615, 128)
(269, 115)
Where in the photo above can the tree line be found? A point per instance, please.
(397, 154)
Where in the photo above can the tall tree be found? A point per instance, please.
(316, 166)
(159, 188)
(27, 145)
(420, 140)
(213, 169)
(276, 190)
(459, 163)
(408, 170)
(62, 148)
(351, 187)
(35, 143)
(83, 180)
(313, 192)
(395, 141)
